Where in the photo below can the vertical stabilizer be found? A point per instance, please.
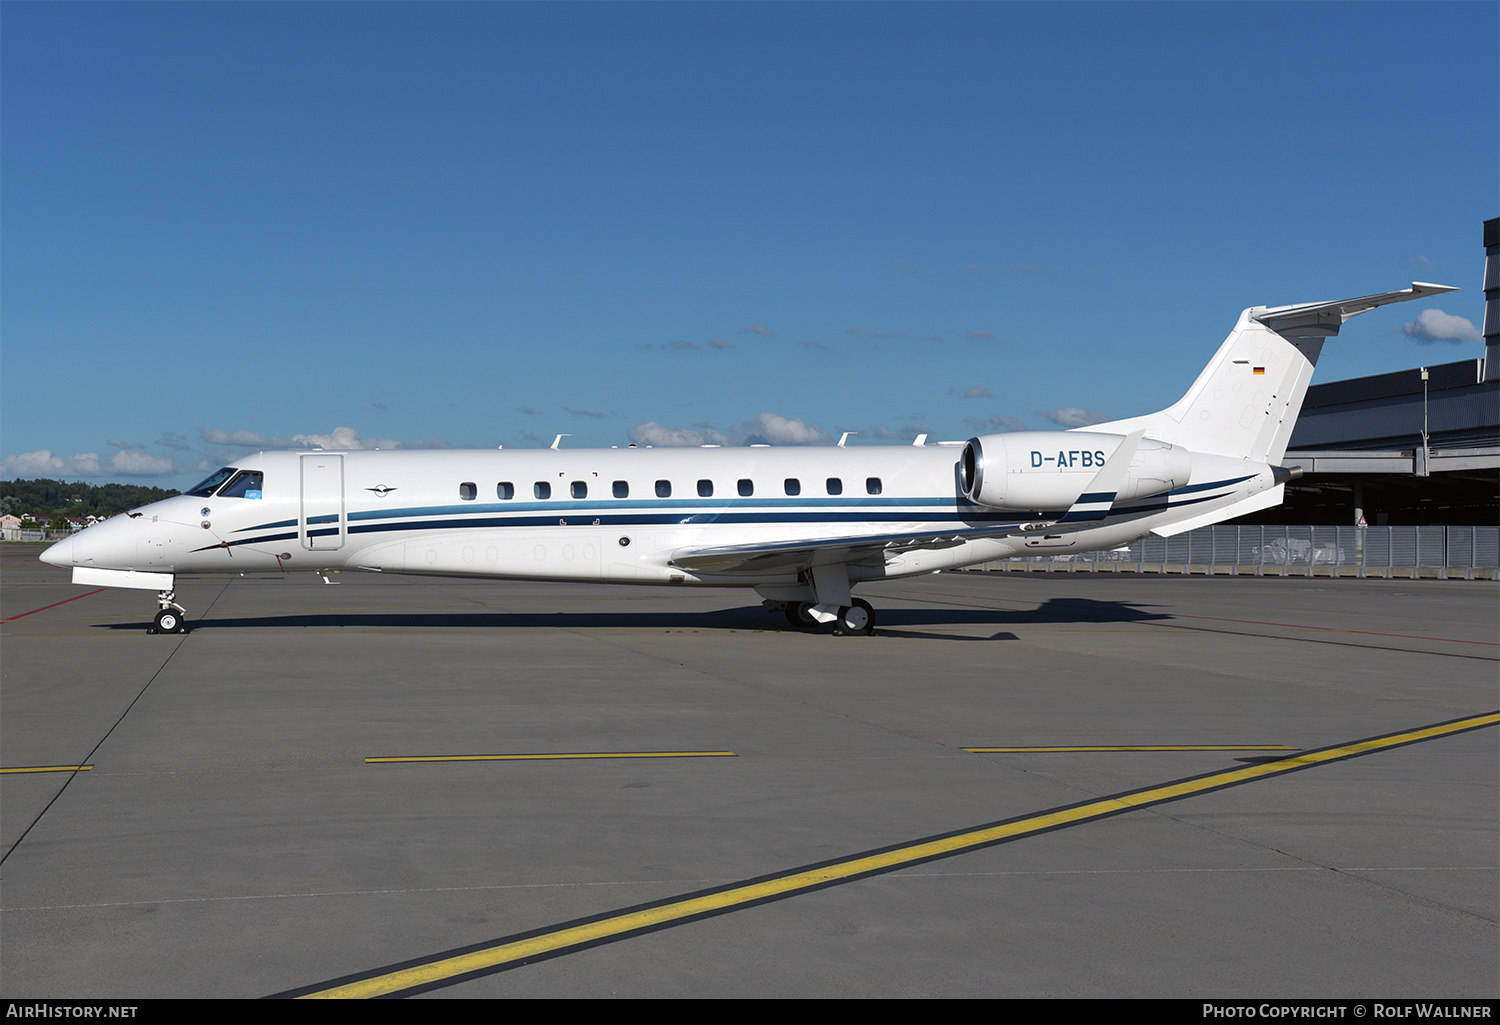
(1245, 402)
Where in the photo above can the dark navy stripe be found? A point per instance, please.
(1080, 516)
(677, 520)
(1211, 484)
(976, 520)
(268, 526)
(566, 506)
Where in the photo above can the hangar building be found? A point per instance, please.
(1414, 447)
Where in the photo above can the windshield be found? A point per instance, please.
(213, 480)
(247, 485)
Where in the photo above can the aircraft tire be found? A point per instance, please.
(169, 621)
(857, 620)
(796, 614)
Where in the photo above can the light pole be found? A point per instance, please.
(1426, 452)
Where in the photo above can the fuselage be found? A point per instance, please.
(589, 514)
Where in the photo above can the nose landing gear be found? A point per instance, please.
(169, 616)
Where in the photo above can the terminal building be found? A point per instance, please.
(1411, 448)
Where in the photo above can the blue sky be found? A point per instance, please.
(231, 226)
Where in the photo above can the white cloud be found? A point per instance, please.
(130, 462)
(978, 391)
(346, 438)
(138, 463)
(653, 433)
(770, 429)
(1436, 326)
(756, 329)
(244, 439)
(763, 429)
(1072, 416)
(342, 438)
(995, 422)
(43, 463)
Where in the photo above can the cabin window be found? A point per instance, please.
(206, 487)
(792, 485)
(468, 491)
(246, 485)
(663, 489)
(542, 489)
(705, 489)
(872, 485)
(747, 487)
(835, 486)
(578, 489)
(622, 489)
(505, 491)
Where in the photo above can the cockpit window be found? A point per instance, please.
(246, 485)
(211, 482)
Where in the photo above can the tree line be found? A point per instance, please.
(43, 499)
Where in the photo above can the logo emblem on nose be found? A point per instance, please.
(380, 490)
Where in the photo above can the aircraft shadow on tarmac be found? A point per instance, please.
(891, 622)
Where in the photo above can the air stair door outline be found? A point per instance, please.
(321, 524)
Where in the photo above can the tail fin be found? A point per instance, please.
(1245, 402)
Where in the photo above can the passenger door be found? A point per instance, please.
(320, 523)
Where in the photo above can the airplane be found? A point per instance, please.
(800, 525)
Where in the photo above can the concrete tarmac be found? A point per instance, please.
(229, 838)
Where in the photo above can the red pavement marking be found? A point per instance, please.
(44, 608)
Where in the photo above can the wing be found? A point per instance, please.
(1092, 506)
(778, 555)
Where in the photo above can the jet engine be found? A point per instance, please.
(1045, 470)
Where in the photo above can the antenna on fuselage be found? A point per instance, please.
(846, 437)
(921, 440)
(558, 440)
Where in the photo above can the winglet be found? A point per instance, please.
(1099, 497)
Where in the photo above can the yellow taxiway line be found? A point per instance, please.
(485, 958)
(49, 768)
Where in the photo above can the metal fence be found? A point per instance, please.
(1468, 552)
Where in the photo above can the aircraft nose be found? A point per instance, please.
(60, 554)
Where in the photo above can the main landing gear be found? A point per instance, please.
(831, 604)
(169, 616)
(856, 620)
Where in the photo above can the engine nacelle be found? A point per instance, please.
(1048, 470)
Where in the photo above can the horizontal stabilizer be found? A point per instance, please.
(1288, 319)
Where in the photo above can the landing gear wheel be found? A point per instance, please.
(857, 620)
(169, 621)
(797, 614)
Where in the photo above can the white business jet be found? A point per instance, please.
(801, 526)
